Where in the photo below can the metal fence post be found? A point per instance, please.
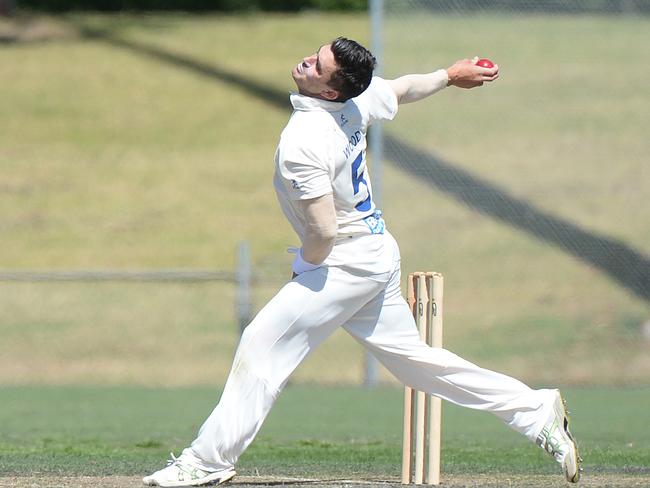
(243, 277)
(371, 366)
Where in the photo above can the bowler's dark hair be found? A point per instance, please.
(355, 65)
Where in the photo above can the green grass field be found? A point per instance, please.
(100, 431)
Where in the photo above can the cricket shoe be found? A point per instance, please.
(556, 439)
(182, 472)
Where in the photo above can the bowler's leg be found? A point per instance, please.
(299, 318)
(386, 327)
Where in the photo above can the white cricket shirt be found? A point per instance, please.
(323, 150)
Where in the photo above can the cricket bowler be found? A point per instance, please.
(346, 274)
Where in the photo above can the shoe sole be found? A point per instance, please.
(211, 480)
(561, 408)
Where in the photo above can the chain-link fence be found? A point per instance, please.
(153, 327)
(530, 194)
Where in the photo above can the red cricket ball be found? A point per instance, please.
(485, 63)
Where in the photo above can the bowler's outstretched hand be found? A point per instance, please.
(465, 73)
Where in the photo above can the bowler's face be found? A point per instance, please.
(313, 74)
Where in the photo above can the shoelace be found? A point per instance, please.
(173, 460)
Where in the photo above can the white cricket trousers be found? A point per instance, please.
(372, 310)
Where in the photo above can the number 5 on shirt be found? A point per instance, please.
(358, 180)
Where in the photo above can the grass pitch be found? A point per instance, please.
(314, 433)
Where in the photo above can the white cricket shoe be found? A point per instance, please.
(556, 439)
(182, 472)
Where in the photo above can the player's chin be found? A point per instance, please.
(297, 78)
(300, 85)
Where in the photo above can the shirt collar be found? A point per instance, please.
(306, 103)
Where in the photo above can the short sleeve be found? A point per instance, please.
(378, 102)
(304, 175)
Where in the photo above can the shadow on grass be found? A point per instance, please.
(622, 263)
(630, 268)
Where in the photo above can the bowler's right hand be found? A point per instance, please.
(466, 74)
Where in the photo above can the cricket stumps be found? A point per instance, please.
(422, 412)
